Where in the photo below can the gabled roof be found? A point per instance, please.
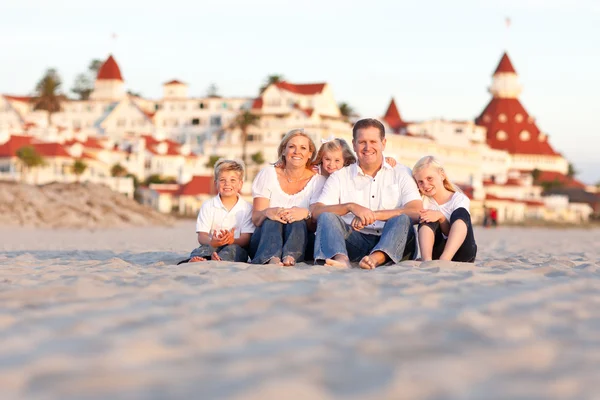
(564, 180)
(51, 150)
(24, 99)
(173, 82)
(303, 88)
(512, 126)
(392, 116)
(198, 185)
(109, 70)
(257, 103)
(505, 66)
(14, 143)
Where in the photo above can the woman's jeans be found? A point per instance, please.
(467, 251)
(275, 239)
(335, 237)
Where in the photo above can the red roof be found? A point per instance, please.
(494, 197)
(198, 185)
(173, 82)
(534, 203)
(505, 66)
(509, 182)
(392, 117)
(14, 143)
(90, 143)
(564, 180)
(257, 103)
(109, 70)
(26, 99)
(510, 108)
(51, 150)
(305, 88)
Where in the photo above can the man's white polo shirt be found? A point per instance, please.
(214, 216)
(390, 188)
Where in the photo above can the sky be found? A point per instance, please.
(434, 57)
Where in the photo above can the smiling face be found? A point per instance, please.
(229, 183)
(297, 152)
(332, 161)
(430, 181)
(369, 147)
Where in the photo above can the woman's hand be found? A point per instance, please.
(294, 214)
(275, 214)
(391, 161)
(430, 216)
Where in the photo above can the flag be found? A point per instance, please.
(507, 22)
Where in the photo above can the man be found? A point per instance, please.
(366, 210)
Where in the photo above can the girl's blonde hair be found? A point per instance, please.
(289, 136)
(433, 162)
(336, 145)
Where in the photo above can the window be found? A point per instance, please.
(486, 118)
(201, 105)
(502, 117)
(215, 120)
(156, 107)
(524, 135)
(519, 118)
(195, 121)
(458, 130)
(224, 105)
(501, 135)
(121, 122)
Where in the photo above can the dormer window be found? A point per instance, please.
(524, 135)
(502, 117)
(501, 135)
(519, 118)
(486, 118)
(542, 137)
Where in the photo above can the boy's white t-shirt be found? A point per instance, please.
(457, 200)
(214, 216)
(267, 186)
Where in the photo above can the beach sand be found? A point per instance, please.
(106, 314)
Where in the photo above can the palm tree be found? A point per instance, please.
(47, 96)
(271, 79)
(79, 167)
(572, 171)
(243, 121)
(535, 174)
(212, 160)
(346, 110)
(29, 158)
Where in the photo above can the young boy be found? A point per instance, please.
(224, 223)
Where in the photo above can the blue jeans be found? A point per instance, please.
(274, 239)
(335, 237)
(230, 252)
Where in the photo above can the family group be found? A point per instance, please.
(335, 207)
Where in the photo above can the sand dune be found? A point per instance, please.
(107, 314)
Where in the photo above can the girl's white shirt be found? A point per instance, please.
(457, 200)
(266, 185)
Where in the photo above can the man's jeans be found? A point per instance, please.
(335, 237)
(274, 239)
(230, 252)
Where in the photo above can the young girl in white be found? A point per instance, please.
(335, 154)
(445, 230)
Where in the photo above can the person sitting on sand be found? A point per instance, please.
(445, 230)
(224, 223)
(366, 210)
(282, 196)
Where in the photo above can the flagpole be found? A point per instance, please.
(506, 33)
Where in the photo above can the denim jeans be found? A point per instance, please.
(230, 252)
(467, 251)
(335, 237)
(274, 239)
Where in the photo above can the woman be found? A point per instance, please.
(282, 196)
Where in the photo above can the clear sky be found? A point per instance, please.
(435, 57)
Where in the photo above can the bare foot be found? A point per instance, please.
(288, 261)
(215, 257)
(372, 261)
(339, 261)
(275, 261)
(197, 259)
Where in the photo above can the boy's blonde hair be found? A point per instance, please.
(289, 136)
(336, 145)
(433, 162)
(223, 165)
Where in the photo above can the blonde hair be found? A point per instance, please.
(289, 136)
(223, 165)
(428, 161)
(336, 145)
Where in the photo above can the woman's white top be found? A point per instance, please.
(267, 186)
(457, 200)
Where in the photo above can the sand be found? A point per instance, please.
(105, 314)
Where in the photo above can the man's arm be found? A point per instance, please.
(339, 209)
(411, 209)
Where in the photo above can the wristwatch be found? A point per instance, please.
(308, 216)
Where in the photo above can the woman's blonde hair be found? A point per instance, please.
(289, 136)
(433, 162)
(336, 145)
